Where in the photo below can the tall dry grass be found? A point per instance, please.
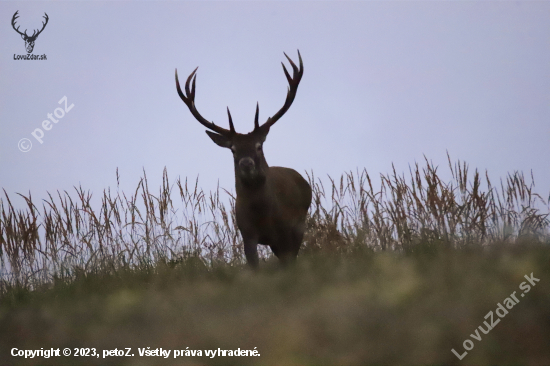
(421, 208)
(64, 235)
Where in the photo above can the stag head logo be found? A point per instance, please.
(29, 40)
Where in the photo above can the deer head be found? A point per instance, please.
(250, 164)
(29, 40)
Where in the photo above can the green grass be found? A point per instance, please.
(399, 274)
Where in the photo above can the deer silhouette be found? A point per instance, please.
(29, 40)
(272, 202)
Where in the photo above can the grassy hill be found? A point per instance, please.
(365, 308)
(402, 274)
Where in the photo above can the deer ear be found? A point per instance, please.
(220, 140)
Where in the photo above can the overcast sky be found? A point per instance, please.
(384, 82)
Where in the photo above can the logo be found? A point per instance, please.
(29, 40)
(25, 145)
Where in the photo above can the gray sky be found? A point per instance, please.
(383, 82)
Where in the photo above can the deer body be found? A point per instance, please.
(272, 202)
(273, 213)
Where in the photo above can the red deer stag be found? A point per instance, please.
(272, 202)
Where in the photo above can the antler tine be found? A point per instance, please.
(13, 19)
(294, 68)
(190, 94)
(256, 126)
(293, 83)
(43, 24)
(189, 101)
(231, 127)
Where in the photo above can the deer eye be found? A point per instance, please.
(233, 148)
(258, 146)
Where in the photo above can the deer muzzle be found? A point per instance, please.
(247, 165)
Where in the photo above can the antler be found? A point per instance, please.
(15, 16)
(290, 95)
(43, 26)
(189, 100)
(34, 34)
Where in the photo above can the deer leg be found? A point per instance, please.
(286, 249)
(251, 253)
